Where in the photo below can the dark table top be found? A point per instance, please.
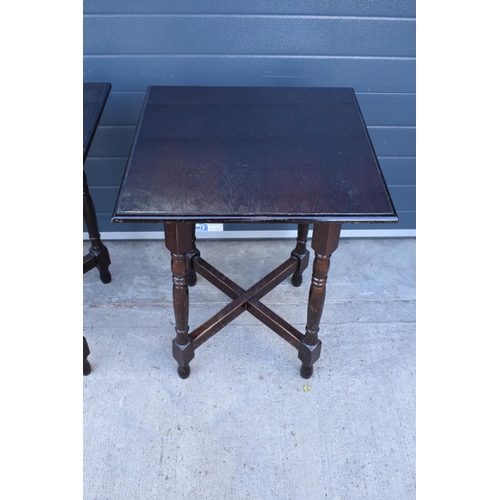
(224, 154)
(95, 96)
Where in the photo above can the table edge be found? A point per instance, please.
(276, 219)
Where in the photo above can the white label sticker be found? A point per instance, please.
(209, 227)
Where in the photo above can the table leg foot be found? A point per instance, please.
(309, 354)
(306, 371)
(98, 257)
(86, 368)
(183, 371)
(183, 354)
(86, 351)
(105, 276)
(102, 259)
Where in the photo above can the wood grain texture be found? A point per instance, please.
(252, 154)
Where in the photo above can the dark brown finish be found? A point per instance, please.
(179, 240)
(324, 242)
(253, 306)
(221, 154)
(201, 334)
(211, 154)
(301, 253)
(95, 96)
(193, 252)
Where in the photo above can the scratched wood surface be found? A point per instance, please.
(252, 154)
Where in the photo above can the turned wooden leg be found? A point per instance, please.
(97, 249)
(178, 239)
(193, 252)
(86, 351)
(325, 240)
(301, 253)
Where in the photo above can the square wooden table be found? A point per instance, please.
(95, 96)
(232, 154)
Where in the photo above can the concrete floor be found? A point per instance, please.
(245, 425)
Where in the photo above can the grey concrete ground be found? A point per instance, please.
(245, 425)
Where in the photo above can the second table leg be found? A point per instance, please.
(193, 252)
(301, 253)
(98, 250)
